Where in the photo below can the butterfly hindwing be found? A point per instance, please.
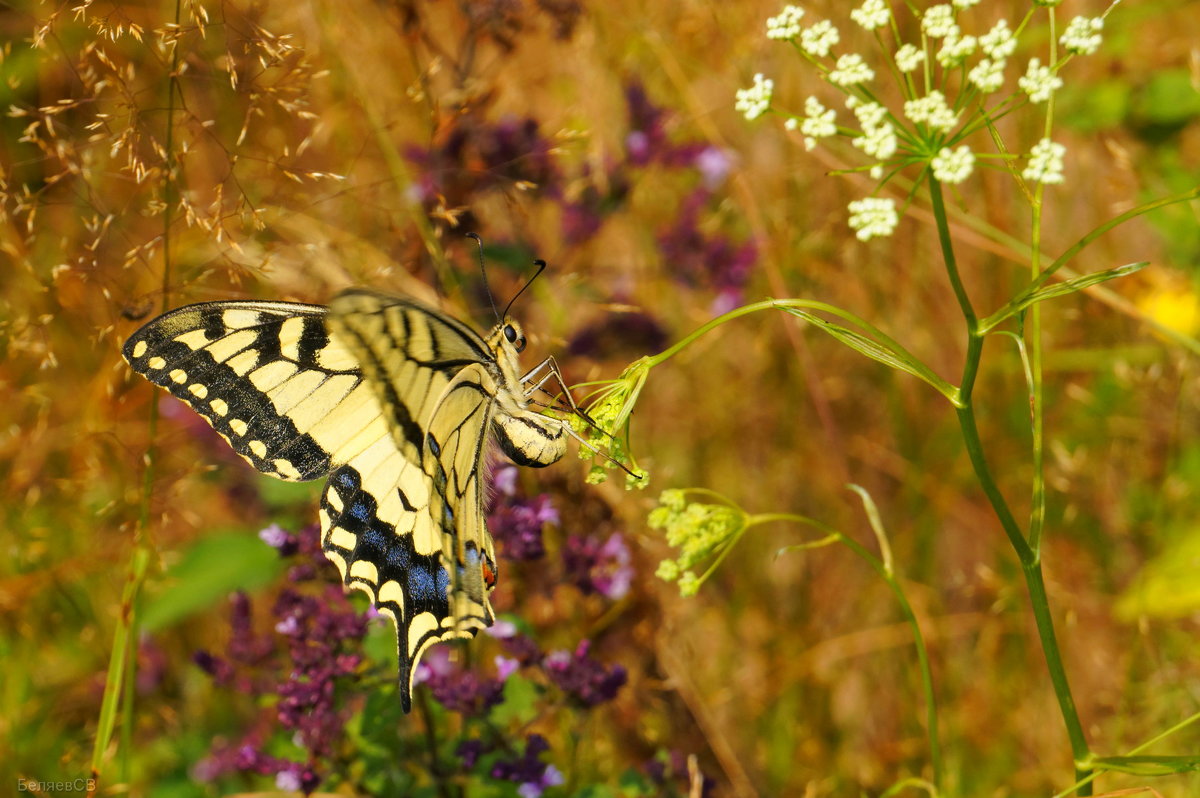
(418, 363)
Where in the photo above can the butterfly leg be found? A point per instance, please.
(552, 372)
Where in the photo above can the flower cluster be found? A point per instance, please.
(596, 567)
(460, 689)
(315, 650)
(711, 258)
(699, 531)
(516, 524)
(527, 770)
(940, 108)
(586, 681)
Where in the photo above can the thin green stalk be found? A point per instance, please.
(708, 326)
(960, 293)
(1037, 510)
(931, 716)
(974, 445)
(1044, 276)
(121, 675)
(1058, 673)
(896, 354)
(1028, 555)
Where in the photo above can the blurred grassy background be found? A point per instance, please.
(788, 675)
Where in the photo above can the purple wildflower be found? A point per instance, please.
(279, 538)
(315, 649)
(698, 259)
(501, 629)
(714, 165)
(517, 525)
(584, 214)
(619, 335)
(528, 770)
(585, 680)
(152, 665)
(470, 751)
(523, 648)
(475, 156)
(506, 667)
(596, 567)
(459, 689)
(503, 479)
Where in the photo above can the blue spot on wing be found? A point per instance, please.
(362, 511)
(421, 583)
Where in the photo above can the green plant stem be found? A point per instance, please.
(1028, 556)
(1037, 510)
(121, 674)
(1058, 673)
(931, 717)
(878, 338)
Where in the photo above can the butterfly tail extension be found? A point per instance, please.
(405, 583)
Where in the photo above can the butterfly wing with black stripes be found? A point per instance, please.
(396, 402)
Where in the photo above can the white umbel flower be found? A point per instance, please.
(999, 42)
(818, 122)
(953, 166)
(851, 69)
(873, 216)
(987, 75)
(955, 50)
(754, 101)
(785, 26)
(818, 39)
(871, 15)
(1045, 162)
(869, 115)
(1082, 36)
(878, 142)
(1039, 82)
(932, 110)
(938, 21)
(965, 3)
(909, 57)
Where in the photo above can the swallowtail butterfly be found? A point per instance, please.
(395, 403)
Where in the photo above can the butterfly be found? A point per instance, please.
(395, 402)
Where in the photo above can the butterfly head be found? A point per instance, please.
(507, 340)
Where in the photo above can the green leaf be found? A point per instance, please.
(1040, 293)
(887, 352)
(1169, 100)
(519, 705)
(215, 566)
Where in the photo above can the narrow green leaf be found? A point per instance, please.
(889, 353)
(1147, 765)
(1040, 293)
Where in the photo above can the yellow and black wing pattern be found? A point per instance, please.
(395, 402)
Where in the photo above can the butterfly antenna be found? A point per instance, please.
(483, 269)
(541, 264)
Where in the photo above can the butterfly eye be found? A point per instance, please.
(514, 338)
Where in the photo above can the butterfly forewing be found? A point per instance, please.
(264, 374)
